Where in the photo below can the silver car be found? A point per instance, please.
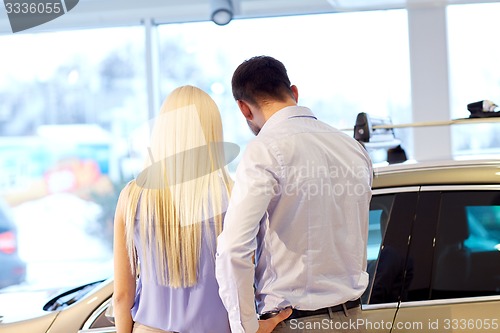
(433, 257)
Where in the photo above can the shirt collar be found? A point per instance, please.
(286, 113)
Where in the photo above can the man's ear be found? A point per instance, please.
(245, 109)
(295, 92)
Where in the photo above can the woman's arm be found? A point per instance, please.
(124, 279)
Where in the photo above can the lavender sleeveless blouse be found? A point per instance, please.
(196, 309)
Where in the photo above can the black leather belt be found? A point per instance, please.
(308, 313)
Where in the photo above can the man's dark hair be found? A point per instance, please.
(261, 77)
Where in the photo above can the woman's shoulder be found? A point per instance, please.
(129, 187)
(127, 191)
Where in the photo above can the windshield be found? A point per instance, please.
(69, 297)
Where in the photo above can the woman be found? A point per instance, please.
(167, 221)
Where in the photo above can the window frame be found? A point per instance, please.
(387, 191)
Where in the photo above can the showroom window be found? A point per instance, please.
(342, 63)
(474, 73)
(73, 102)
(69, 103)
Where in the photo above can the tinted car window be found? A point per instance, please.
(394, 215)
(467, 258)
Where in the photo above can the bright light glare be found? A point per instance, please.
(217, 88)
(92, 300)
(73, 77)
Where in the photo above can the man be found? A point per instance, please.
(296, 229)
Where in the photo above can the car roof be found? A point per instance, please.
(447, 172)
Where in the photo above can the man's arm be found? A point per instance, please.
(235, 270)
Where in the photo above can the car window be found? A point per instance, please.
(467, 258)
(70, 297)
(484, 228)
(391, 216)
(375, 233)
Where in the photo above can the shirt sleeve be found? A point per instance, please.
(255, 184)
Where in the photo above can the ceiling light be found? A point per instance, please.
(222, 11)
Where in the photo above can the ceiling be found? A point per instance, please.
(93, 13)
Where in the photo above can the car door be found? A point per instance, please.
(391, 217)
(456, 246)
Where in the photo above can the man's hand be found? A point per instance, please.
(268, 325)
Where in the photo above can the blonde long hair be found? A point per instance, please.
(184, 183)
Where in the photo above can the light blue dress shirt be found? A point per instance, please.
(300, 204)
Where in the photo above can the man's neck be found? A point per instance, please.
(270, 108)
